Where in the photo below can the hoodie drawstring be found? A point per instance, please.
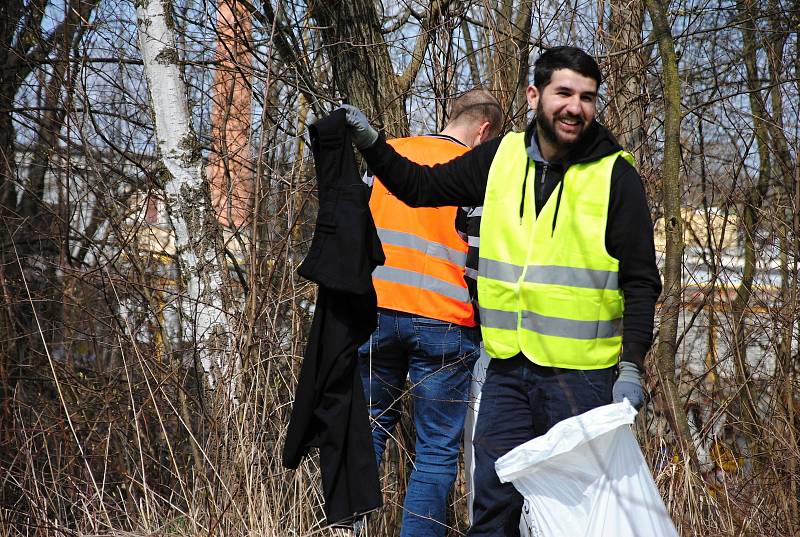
(524, 184)
(558, 204)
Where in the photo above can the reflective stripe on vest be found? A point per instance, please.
(570, 328)
(421, 281)
(425, 256)
(551, 293)
(408, 240)
(506, 320)
(497, 270)
(573, 277)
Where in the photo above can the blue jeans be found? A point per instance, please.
(519, 401)
(437, 357)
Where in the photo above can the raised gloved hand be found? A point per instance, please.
(361, 131)
(628, 385)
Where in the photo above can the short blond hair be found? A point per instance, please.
(477, 105)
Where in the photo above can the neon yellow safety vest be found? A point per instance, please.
(549, 291)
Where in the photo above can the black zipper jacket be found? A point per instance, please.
(629, 234)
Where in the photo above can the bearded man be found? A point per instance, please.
(567, 277)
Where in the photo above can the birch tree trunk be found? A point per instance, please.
(198, 236)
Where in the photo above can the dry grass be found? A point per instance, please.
(137, 452)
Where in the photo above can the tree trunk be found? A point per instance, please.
(11, 13)
(362, 69)
(29, 242)
(509, 61)
(673, 226)
(625, 112)
(198, 237)
(753, 200)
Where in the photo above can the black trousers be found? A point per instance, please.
(519, 401)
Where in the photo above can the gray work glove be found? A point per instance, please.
(628, 385)
(361, 131)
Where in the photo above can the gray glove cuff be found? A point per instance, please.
(629, 372)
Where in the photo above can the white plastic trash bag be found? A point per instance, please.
(475, 386)
(587, 478)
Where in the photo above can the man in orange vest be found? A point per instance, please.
(426, 324)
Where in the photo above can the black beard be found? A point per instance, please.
(544, 127)
(548, 131)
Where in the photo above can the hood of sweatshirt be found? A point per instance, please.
(597, 142)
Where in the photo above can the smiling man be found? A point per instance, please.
(571, 105)
(567, 279)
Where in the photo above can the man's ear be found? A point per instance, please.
(484, 131)
(532, 93)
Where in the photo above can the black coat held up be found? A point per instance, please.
(329, 411)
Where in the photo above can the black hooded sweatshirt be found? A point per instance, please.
(629, 233)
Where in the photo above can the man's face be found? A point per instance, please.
(564, 108)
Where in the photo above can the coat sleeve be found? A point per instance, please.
(629, 238)
(460, 182)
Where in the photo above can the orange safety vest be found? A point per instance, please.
(425, 256)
